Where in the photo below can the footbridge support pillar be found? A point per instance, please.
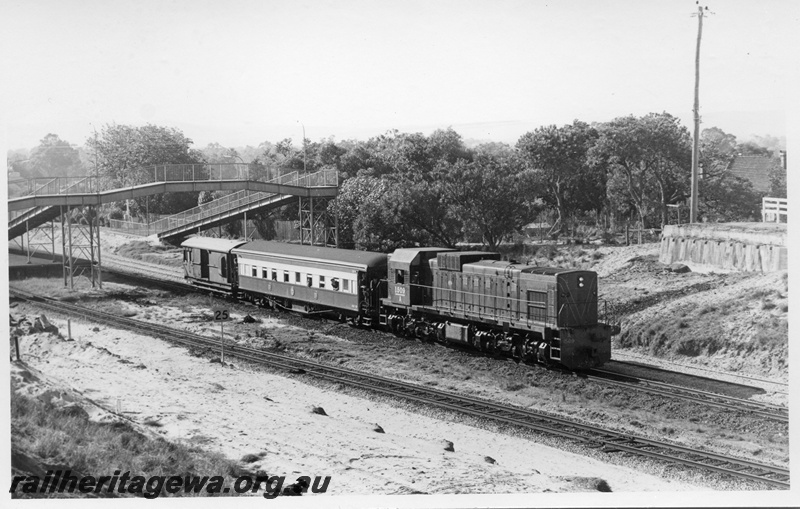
(80, 238)
(318, 227)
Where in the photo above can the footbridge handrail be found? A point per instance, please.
(169, 173)
(244, 198)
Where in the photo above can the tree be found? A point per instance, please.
(717, 149)
(214, 153)
(126, 156)
(777, 179)
(727, 198)
(447, 145)
(489, 196)
(365, 221)
(423, 205)
(264, 222)
(557, 158)
(53, 157)
(651, 155)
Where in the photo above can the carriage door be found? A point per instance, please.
(203, 264)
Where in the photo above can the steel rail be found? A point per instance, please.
(627, 356)
(607, 440)
(774, 412)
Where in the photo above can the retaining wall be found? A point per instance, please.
(752, 247)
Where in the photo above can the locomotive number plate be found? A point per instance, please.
(399, 290)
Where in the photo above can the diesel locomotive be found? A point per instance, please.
(469, 298)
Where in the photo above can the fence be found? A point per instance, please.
(773, 210)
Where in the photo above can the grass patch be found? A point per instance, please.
(92, 448)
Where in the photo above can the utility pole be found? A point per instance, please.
(696, 141)
(304, 148)
(96, 174)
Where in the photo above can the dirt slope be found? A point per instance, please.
(735, 321)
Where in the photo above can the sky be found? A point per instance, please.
(242, 72)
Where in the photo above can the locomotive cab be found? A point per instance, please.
(576, 297)
(409, 276)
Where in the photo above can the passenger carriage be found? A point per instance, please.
(311, 279)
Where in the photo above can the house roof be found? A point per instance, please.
(755, 169)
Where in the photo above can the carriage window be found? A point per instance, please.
(296, 277)
(223, 266)
(285, 276)
(346, 285)
(185, 255)
(309, 280)
(274, 275)
(335, 283)
(254, 271)
(322, 281)
(399, 276)
(264, 272)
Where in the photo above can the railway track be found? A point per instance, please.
(631, 359)
(122, 265)
(773, 412)
(591, 436)
(156, 275)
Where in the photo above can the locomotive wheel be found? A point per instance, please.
(516, 353)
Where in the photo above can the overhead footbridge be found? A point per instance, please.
(48, 199)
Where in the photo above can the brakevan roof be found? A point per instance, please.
(313, 253)
(212, 244)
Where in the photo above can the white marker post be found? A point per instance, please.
(221, 316)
